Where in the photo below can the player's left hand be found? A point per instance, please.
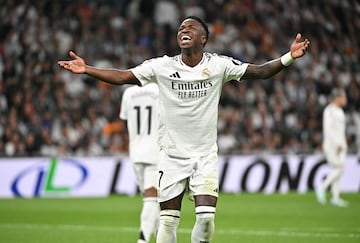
(298, 48)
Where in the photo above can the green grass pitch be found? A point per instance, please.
(250, 218)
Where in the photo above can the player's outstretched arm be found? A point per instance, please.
(297, 49)
(113, 76)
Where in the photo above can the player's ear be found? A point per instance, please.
(203, 40)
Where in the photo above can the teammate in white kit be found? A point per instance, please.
(139, 107)
(190, 86)
(334, 147)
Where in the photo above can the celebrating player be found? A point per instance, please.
(190, 86)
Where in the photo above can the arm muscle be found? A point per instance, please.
(263, 71)
(113, 76)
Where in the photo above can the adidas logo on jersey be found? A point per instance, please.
(175, 75)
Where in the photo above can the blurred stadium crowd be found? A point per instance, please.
(50, 112)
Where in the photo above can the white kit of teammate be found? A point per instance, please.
(139, 107)
(334, 147)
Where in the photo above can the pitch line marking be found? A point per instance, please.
(280, 233)
(319, 229)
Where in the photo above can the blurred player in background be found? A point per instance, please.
(139, 107)
(334, 147)
(190, 85)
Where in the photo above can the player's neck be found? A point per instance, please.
(191, 58)
(337, 104)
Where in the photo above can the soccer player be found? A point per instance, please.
(189, 85)
(139, 107)
(334, 147)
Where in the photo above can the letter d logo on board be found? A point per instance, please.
(51, 179)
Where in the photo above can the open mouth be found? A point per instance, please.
(185, 39)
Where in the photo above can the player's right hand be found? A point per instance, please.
(77, 65)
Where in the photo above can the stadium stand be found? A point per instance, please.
(50, 112)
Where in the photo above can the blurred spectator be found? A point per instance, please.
(227, 141)
(46, 111)
(167, 13)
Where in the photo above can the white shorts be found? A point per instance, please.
(146, 175)
(199, 175)
(333, 157)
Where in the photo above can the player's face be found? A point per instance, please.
(191, 34)
(343, 100)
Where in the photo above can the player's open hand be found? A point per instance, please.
(76, 65)
(298, 48)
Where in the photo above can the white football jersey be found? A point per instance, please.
(139, 106)
(189, 99)
(334, 127)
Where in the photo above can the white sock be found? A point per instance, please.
(335, 189)
(333, 176)
(204, 227)
(169, 221)
(149, 218)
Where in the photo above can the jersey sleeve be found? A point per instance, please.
(233, 68)
(329, 125)
(124, 108)
(145, 72)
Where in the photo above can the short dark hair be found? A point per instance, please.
(203, 24)
(337, 92)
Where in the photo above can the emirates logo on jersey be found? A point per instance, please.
(191, 90)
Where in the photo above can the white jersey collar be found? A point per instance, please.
(199, 64)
